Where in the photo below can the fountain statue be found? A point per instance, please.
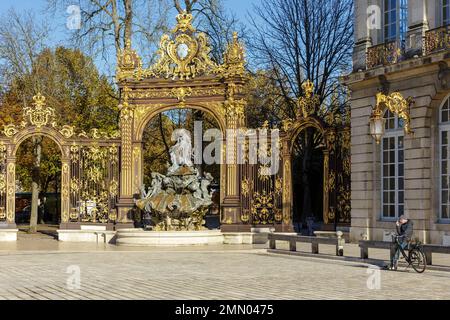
(179, 200)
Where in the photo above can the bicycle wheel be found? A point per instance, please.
(418, 260)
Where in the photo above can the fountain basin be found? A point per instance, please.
(141, 238)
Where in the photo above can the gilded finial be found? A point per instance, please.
(39, 101)
(308, 88)
(184, 22)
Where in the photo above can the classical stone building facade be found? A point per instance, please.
(401, 46)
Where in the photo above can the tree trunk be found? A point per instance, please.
(306, 168)
(163, 136)
(36, 181)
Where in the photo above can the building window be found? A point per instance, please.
(445, 160)
(445, 12)
(392, 168)
(395, 20)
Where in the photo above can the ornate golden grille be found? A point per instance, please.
(436, 40)
(94, 185)
(384, 54)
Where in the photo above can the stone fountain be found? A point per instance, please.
(176, 202)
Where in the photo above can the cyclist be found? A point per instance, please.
(405, 232)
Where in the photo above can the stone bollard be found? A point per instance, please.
(340, 244)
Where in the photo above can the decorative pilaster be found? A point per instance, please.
(126, 203)
(326, 186)
(11, 192)
(65, 191)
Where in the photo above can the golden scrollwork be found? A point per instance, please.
(278, 185)
(161, 93)
(383, 54)
(126, 110)
(181, 93)
(2, 213)
(397, 104)
(245, 185)
(2, 183)
(262, 209)
(287, 124)
(332, 181)
(67, 131)
(10, 130)
(436, 39)
(234, 109)
(245, 216)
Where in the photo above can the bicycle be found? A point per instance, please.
(416, 257)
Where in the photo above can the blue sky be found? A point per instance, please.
(60, 33)
(240, 7)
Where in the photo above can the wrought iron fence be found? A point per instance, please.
(385, 54)
(94, 185)
(436, 40)
(2, 182)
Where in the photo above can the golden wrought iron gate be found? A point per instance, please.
(89, 173)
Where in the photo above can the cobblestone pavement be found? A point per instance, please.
(202, 273)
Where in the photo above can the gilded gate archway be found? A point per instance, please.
(184, 77)
(89, 171)
(335, 136)
(102, 173)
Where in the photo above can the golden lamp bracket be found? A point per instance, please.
(396, 104)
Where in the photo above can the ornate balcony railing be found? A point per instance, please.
(384, 54)
(436, 40)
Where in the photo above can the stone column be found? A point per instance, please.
(417, 26)
(362, 35)
(287, 188)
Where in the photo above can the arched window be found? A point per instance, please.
(392, 168)
(444, 159)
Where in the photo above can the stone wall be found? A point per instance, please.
(422, 79)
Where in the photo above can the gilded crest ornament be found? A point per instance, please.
(39, 115)
(182, 93)
(183, 55)
(309, 103)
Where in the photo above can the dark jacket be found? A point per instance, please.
(406, 229)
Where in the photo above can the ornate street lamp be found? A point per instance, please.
(377, 125)
(397, 105)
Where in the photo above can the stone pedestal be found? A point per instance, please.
(87, 235)
(141, 238)
(8, 235)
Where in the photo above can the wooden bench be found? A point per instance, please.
(314, 241)
(428, 249)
